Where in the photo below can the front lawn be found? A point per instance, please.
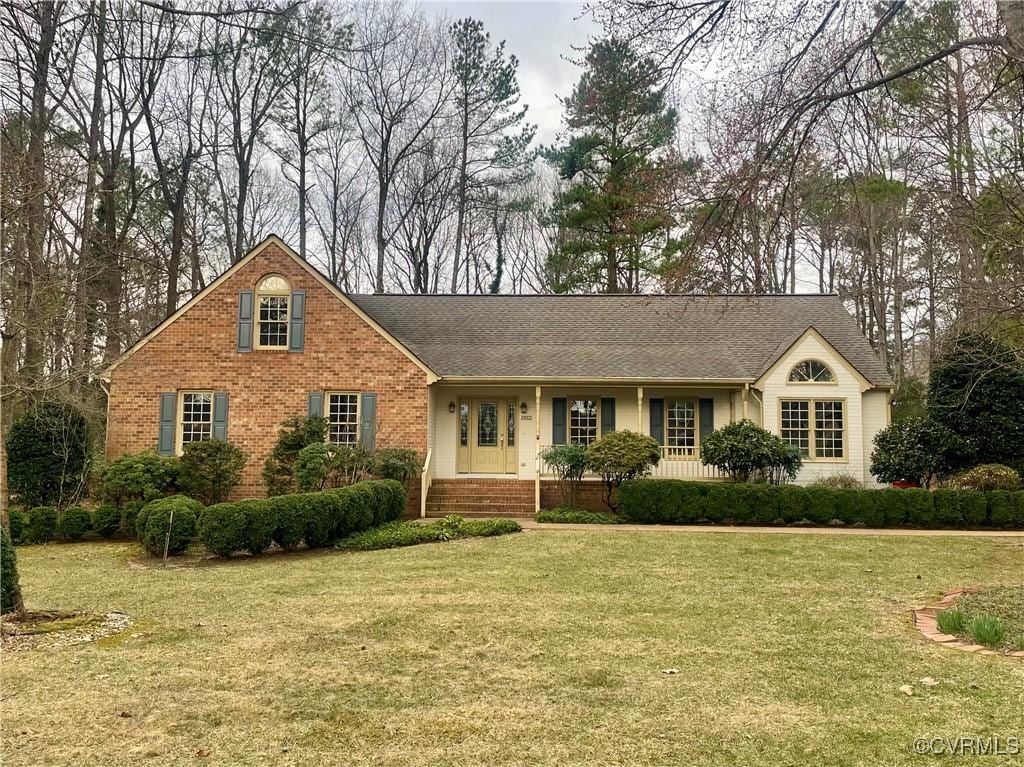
(546, 647)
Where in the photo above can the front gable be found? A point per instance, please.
(811, 345)
(270, 257)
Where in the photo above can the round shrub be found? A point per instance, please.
(619, 456)
(48, 455)
(42, 524)
(745, 452)
(73, 523)
(129, 516)
(397, 463)
(176, 514)
(290, 513)
(295, 433)
(321, 521)
(260, 524)
(222, 528)
(138, 477)
(917, 450)
(8, 571)
(821, 504)
(211, 469)
(988, 476)
(18, 521)
(106, 520)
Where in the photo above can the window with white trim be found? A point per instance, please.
(811, 371)
(196, 416)
(343, 418)
(584, 419)
(824, 437)
(681, 427)
(273, 295)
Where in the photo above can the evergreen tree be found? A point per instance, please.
(616, 208)
(492, 136)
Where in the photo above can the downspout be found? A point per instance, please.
(106, 418)
(760, 405)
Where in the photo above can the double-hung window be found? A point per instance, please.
(681, 428)
(343, 418)
(272, 301)
(196, 416)
(584, 421)
(815, 427)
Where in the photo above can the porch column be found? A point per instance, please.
(536, 451)
(640, 411)
(743, 396)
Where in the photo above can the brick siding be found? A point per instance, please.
(198, 351)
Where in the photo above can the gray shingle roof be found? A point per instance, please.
(616, 336)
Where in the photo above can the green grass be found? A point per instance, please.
(1004, 605)
(577, 516)
(950, 621)
(538, 648)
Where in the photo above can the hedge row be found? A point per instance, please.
(43, 524)
(318, 519)
(671, 501)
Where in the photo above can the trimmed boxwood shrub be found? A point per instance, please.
(671, 501)
(177, 513)
(106, 520)
(662, 502)
(318, 519)
(42, 524)
(142, 476)
(18, 521)
(1006, 509)
(221, 528)
(564, 515)
(73, 523)
(129, 515)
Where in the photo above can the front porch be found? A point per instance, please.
(497, 431)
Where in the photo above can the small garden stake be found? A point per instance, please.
(167, 540)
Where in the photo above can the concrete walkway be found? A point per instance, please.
(529, 524)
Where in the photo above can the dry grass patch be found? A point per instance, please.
(522, 650)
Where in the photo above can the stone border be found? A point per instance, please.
(927, 624)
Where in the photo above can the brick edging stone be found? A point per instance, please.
(927, 623)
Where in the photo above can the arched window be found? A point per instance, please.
(273, 294)
(811, 371)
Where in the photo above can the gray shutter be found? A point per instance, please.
(658, 420)
(220, 415)
(368, 420)
(707, 417)
(297, 319)
(558, 408)
(168, 416)
(607, 415)
(245, 308)
(316, 404)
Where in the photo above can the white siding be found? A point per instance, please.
(863, 415)
(875, 407)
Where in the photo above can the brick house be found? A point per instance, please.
(478, 385)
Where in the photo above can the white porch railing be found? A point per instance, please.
(426, 479)
(675, 463)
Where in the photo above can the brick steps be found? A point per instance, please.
(481, 498)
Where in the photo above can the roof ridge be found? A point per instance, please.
(593, 295)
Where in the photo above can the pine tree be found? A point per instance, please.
(616, 157)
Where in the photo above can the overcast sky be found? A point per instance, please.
(542, 35)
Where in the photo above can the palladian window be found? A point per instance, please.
(272, 297)
(811, 371)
